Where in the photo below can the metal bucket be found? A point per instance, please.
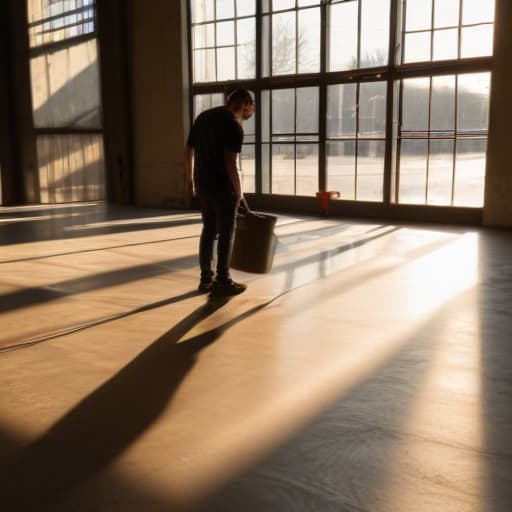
(255, 243)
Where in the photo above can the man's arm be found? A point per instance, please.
(230, 158)
(189, 184)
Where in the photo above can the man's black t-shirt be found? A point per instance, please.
(214, 131)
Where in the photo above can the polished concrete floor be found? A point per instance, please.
(370, 371)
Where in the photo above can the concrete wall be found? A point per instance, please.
(498, 195)
(160, 101)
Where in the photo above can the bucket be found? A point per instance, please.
(255, 243)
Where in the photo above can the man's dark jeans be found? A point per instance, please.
(218, 211)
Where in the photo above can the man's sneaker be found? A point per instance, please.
(205, 286)
(227, 288)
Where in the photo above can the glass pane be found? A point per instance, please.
(374, 33)
(203, 102)
(370, 170)
(477, 11)
(440, 171)
(470, 173)
(372, 109)
(202, 10)
(307, 110)
(246, 51)
(283, 169)
(265, 168)
(245, 7)
(226, 64)
(476, 41)
(265, 46)
(247, 168)
(265, 116)
(473, 103)
(309, 41)
(446, 44)
(283, 43)
(413, 171)
(204, 36)
(446, 13)
(71, 168)
(417, 47)
(341, 110)
(415, 104)
(343, 36)
(307, 169)
(279, 5)
(65, 87)
(305, 3)
(341, 168)
(283, 111)
(249, 126)
(225, 9)
(226, 33)
(204, 65)
(442, 107)
(418, 15)
(59, 20)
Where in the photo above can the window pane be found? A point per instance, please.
(203, 102)
(279, 5)
(341, 110)
(307, 110)
(470, 173)
(283, 169)
(245, 7)
(283, 111)
(446, 44)
(65, 88)
(71, 168)
(265, 46)
(477, 41)
(283, 43)
(59, 20)
(477, 11)
(202, 10)
(343, 36)
(341, 165)
(204, 36)
(446, 13)
(309, 41)
(225, 33)
(246, 51)
(370, 170)
(247, 168)
(372, 109)
(415, 104)
(307, 169)
(265, 116)
(204, 65)
(265, 168)
(418, 15)
(225, 9)
(442, 108)
(440, 171)
(417, 47)
(226, 64)
(413, 171)
(305, 3)
(473, 103)
(374, 33)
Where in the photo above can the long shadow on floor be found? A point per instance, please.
(105, 423)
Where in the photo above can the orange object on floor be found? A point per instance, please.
(324, 197)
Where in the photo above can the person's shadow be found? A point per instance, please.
(100, 427)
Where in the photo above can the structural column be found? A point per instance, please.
(159, 101)
(498, 194)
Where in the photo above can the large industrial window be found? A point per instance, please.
(66, 100)
(385, 101)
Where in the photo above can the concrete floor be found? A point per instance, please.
(370, 371)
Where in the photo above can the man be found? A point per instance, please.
(214, 143)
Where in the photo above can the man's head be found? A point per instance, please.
(240, 102)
